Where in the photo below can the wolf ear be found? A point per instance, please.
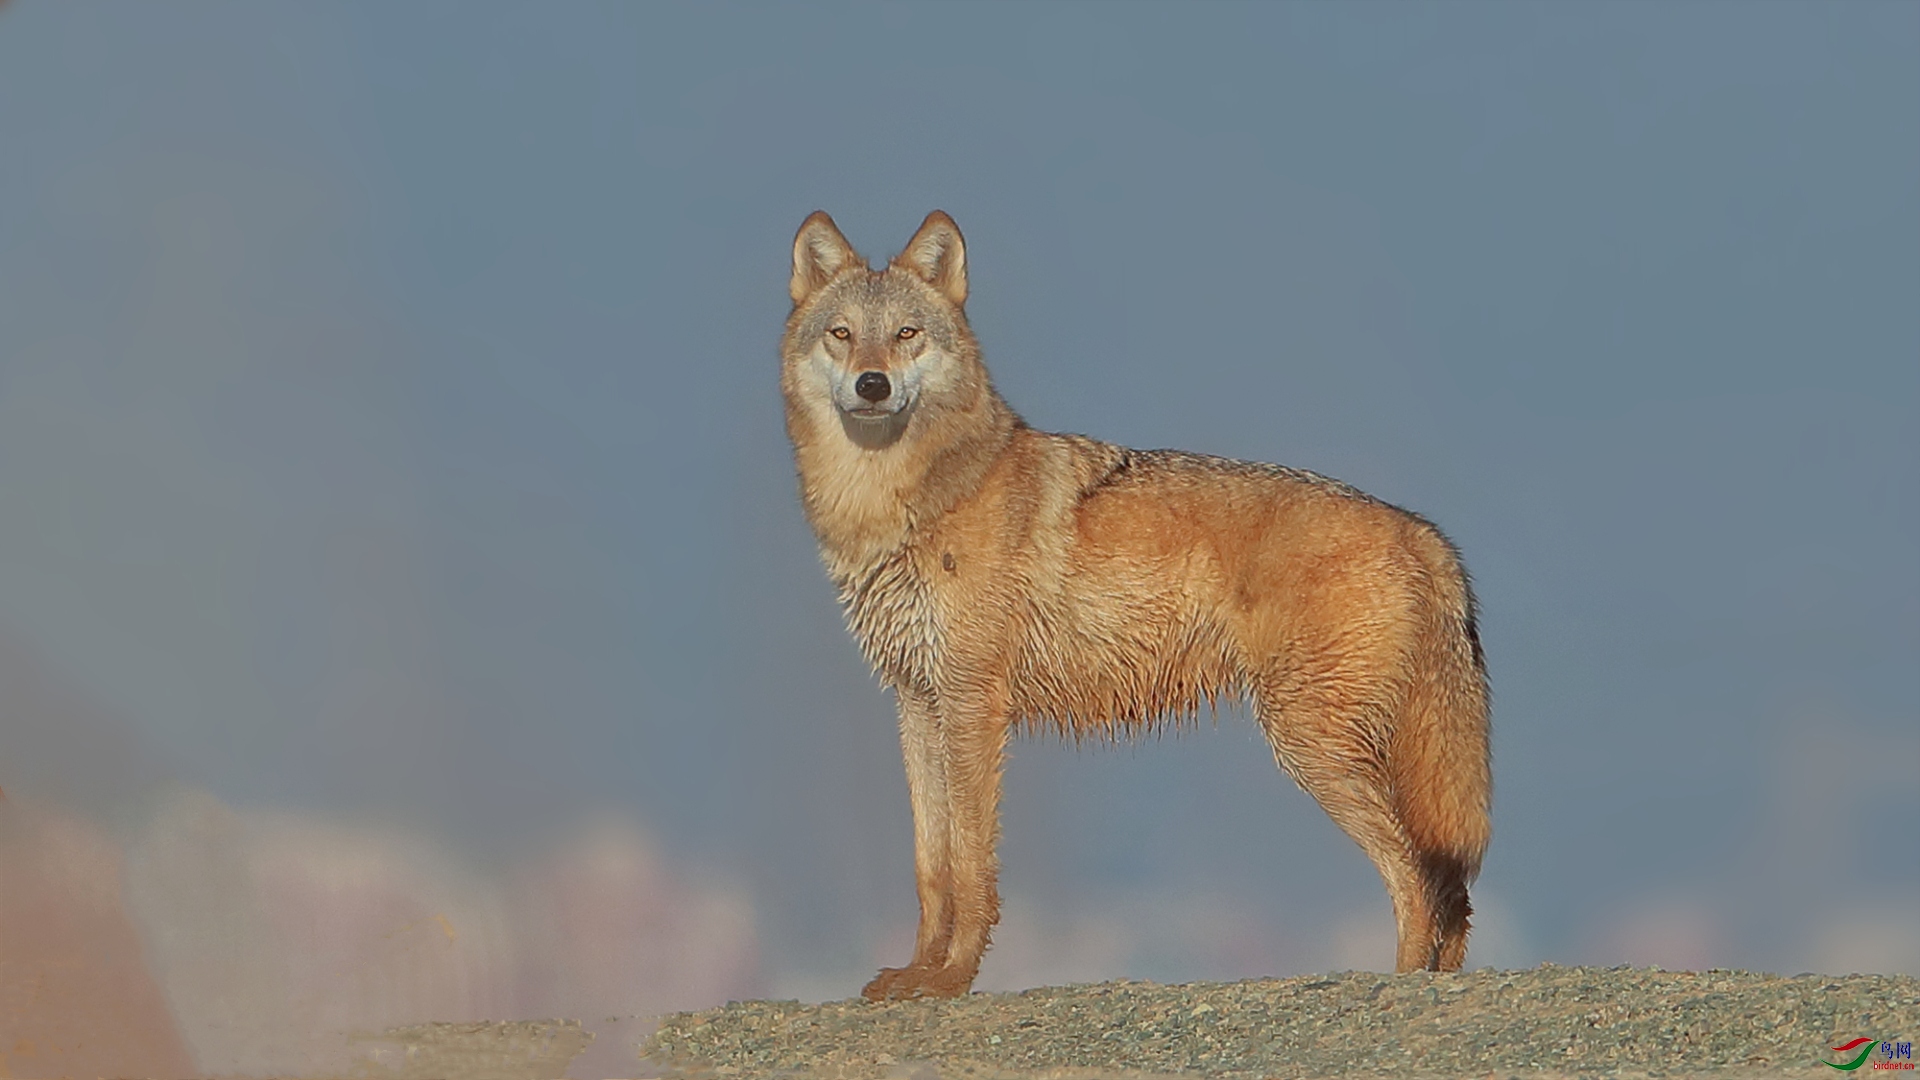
(819, 252)
(939, 256)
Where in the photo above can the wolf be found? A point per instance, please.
(1003, 579)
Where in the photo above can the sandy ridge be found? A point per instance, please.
(1544, 1022)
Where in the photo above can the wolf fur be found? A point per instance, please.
(999, 577)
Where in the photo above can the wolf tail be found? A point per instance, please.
(1438, 757)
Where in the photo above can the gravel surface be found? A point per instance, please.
(478, 1050)
(1546, 1022)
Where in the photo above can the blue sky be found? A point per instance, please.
(389, 430)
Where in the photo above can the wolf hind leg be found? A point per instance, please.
(1332, 760)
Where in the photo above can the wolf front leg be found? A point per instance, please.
(976, 729)
(923, 745)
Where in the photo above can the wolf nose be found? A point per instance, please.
(872, 386)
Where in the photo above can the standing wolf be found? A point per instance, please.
(996, 576)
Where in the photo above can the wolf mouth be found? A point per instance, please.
(875, 429)
(897, 406)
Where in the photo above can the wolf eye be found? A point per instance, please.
(841, 332)
(907, 332)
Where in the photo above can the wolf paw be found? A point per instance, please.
(947, 982)
(907, 983)
(896, 984)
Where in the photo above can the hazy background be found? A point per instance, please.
(405, 610)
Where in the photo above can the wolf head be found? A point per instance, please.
(879, 356)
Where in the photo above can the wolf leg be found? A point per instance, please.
(976, 755)
(975, 731)
(923, 745)
(1327, 752)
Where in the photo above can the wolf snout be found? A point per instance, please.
(873, 386)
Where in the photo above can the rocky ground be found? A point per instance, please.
(1546, 1022)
